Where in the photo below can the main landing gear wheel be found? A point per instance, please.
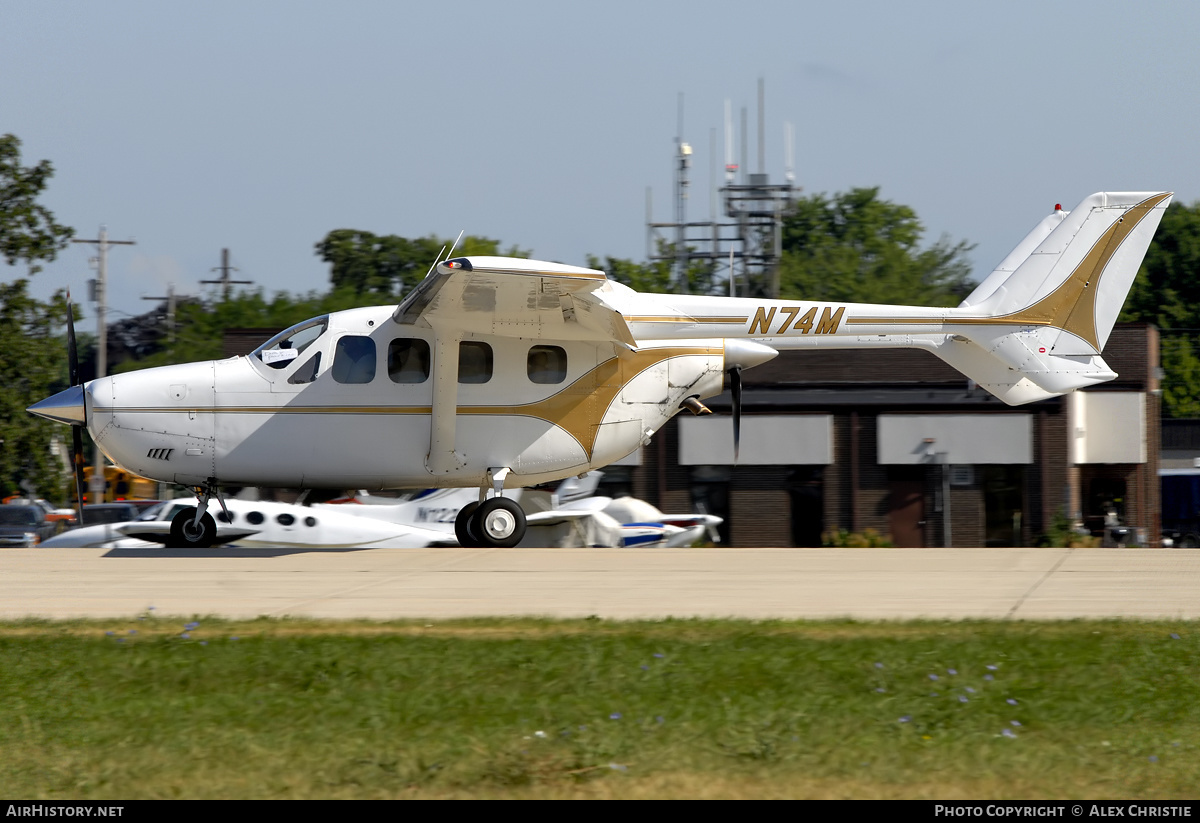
(463, 527)
(499, 523)
(186, 535)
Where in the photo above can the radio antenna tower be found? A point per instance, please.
(751, 237)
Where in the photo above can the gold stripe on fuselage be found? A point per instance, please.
(577, 408)
(675, 318)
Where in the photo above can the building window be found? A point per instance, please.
(408, 360)
(354, 360)
(474, 362)
(547, 364)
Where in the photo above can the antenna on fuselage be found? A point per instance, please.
(436, 260)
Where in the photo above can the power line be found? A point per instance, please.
(170, 298)
(226, 282)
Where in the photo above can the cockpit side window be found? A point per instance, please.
(308, 372)
(354, 359)
(408, 360)
(287, 346)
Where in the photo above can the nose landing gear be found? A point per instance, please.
(194, 528)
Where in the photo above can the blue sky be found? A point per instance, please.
(260, 126)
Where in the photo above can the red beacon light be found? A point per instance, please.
(1058, 206)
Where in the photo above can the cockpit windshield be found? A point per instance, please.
(286, 346)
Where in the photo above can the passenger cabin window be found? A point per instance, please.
(286, 347)
(474, 362)
(408, 360)
(354, 360)
(547, 364)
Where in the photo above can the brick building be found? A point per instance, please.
(897, 441)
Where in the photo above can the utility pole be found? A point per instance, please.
(101, 261)
(170, 298)
(225, 280)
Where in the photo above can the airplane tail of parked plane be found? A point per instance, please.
(1036, 327)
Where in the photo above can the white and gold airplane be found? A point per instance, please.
(498, 372)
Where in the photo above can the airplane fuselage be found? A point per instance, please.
(250, 420)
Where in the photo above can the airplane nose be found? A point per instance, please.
(64, 407)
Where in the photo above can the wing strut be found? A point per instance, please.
(443, 414)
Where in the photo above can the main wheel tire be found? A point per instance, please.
(463, 529)
(185, 535)
(499, 523)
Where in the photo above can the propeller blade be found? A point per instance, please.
(735, 388)
(72, 351)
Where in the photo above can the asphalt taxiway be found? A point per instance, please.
(608, 583)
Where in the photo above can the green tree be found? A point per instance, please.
(657, 276)
(28, 231)
(654, 277)
(858, 248)
(1167, 289)
(1181, 383)
(34, 361)
(1167, 294)
(200, 327)
(389, 265)
(32, 449)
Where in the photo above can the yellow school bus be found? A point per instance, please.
(119, 485)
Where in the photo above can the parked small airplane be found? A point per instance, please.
(258, 524)
(568, 517)
(498, 372)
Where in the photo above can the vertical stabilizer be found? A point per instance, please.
(1076, 279)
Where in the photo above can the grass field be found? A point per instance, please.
(160, 708)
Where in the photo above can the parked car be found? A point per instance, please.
(100, 513)
(22, 526)
(62, 518)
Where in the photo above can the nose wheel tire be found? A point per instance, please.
(498, 523)
(186, 535)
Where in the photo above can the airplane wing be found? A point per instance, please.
(558, 517)
(572, 529)
(159, 531)
(518, 298)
